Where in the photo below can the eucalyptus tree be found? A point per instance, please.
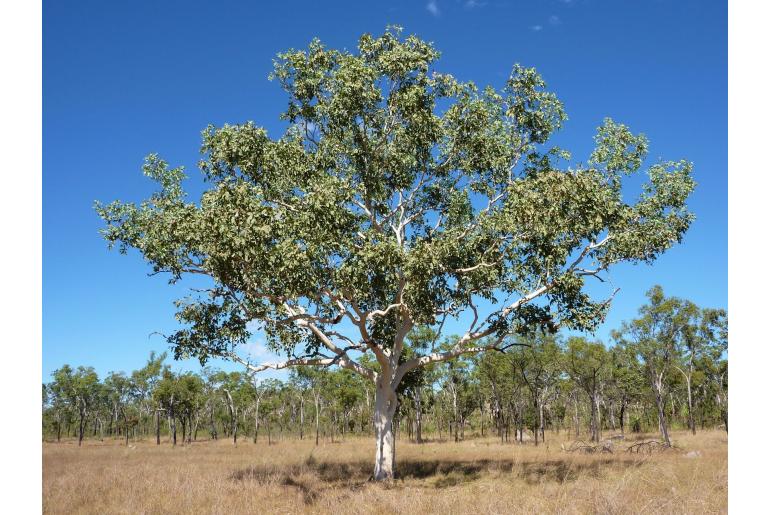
(167, 396)
(455, 381)
(190, 388)
(345, 392)
(144, 381)
(413, 385)
(706, 334)
(625, 383)
(722, 391)
(495, 371)
(46, 404)
(211, 398)
(235, 390)
(712, 365)
(260, 390)
(539, 365)
(271, 404)
(61, 398)
(301, 385)
(120, 391)
(587, 363)
(657, 338)
(80, 388)
(181, 396)
(397, 196)
(315, 381)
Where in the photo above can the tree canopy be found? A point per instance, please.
(397, 196)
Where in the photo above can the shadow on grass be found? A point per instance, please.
(311, 478)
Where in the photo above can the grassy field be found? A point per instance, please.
(476, 476)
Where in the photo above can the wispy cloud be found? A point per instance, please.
(472, 4)
(432, 8)
(259, 351)
(553, 21)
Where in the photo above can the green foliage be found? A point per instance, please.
(397, 196)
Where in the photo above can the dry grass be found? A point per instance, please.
(479, 476)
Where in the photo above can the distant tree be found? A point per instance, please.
(235, 389)
(626, 382)
(707, 334)
(144, 381)
(588, 365)
(496, 373)
(455, 382)
(420, 340)
(721, 389)
(398, 196)
(84, 390)
(120, 391)
(315, 382)
(191, 389)
(61, 398)
(657, 337)
(167, 396)
(272, 403)
(534, 383)
(539, 363)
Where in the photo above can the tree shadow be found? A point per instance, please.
(311, 478)
(309, 495)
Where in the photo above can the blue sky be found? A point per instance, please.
(123, 79)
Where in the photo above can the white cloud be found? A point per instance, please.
(536, 28)
(432, 8)
(471, 4)
(259, 351)
(554, 20)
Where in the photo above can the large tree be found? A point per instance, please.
(396, 196)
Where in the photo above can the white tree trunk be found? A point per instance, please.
(385, 453)
(418, 415)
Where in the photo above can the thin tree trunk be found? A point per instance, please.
(690, 417)
(662, 415)
(622, 418)
(213, 429)
(256, 419)
(301, 418)
(576, 419)
(317, 415)
(418, 415)
(80, 431)
(542, 424)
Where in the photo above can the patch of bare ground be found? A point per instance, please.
(475, 476)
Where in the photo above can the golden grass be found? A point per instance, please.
(477, 476)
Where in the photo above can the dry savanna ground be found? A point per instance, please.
(476, 476)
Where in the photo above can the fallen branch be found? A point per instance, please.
(586, 448)
(649, 447)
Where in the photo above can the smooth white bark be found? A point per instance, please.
(385, 453)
